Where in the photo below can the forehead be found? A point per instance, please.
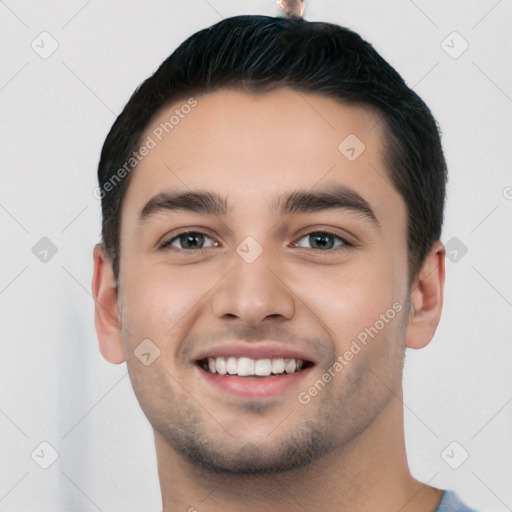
(248, 147)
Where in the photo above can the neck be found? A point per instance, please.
(365, 474)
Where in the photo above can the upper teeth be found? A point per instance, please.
(244, 366)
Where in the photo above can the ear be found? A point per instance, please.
(426, 295)
(106, 316)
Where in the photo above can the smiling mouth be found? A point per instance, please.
(247, 367)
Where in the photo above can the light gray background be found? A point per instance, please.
(56, 112)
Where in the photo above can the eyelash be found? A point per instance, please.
(346, 244)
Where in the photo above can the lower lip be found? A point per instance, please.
(255, 387)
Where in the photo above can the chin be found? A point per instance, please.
(270, 455)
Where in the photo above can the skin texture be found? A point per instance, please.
(344, 449)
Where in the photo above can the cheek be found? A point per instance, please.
(348, 299)
(158, 300)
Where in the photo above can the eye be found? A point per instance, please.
(323, 240)
(188, 240)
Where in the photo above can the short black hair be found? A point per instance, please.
(260, 54)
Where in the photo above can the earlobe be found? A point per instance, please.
(426, 295)
(106, 318)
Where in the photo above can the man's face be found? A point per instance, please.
(269, 279)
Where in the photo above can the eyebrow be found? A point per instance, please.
(336, 197)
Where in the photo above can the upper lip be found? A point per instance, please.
(255, 350)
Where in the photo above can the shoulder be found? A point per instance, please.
(450, 502)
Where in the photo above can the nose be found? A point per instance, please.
(254, 292)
